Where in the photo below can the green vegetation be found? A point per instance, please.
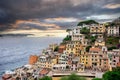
(112, 41)
(72, 77)
(56, 49)
(87, 22)
(85, 31)
(110, 24)
(88, 48)
(111, 48)
(93, 38)
(46, 78)
(97, 79)
(67, 38)
(111, 75)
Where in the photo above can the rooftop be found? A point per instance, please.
(44, 71)
(95, 49)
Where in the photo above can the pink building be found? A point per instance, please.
(114, 57)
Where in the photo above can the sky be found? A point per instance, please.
(53, 16)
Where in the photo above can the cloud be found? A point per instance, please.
(103, 18)
(34, 24)
(53, 14)
(61, 20)
(112, 6)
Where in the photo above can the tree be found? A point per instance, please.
(56, 48)
(64, 78)
(87, 22)
(46, 78)
(97, 79)
(111, 48)
(85, 31)
(67, 38)
(93, 38)
(72, 77)
(112, 75)
(87, 48)
(112, 40)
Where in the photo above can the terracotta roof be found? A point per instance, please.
(95, 49)
(62, 46)
(44, 71)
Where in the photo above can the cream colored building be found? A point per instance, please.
(78, 37)
(100, 40)
(53, 46)
(46, 61)
(113, 30)
(97, 29)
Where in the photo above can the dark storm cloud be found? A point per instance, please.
(12, 10)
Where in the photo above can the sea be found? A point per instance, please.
(15, 51)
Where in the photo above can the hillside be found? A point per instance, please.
(87, 22)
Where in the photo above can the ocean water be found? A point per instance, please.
(15, 51)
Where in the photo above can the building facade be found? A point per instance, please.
(113, 30)
(33, 59)
(97, 29)
(74, 47)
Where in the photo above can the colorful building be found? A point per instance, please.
(100, 40)
(97, 29)
(63, 58)
(113, 30)
(46, 61)
(74, 47)
(114, 57)
(78, 37)
(53, 46)
(61, 48)
(33, 59)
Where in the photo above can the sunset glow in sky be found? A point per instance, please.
(53, 17)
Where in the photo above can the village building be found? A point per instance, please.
(113, 30)
(114, 57)
(97, 29)
(53, 46)
(63, 58)
(100, 40)
(61, 48)
(74, 47)
(33, 59)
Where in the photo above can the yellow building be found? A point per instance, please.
(84, 58)
(97, 29)
(100, 40)
(74, 47)
(46, 61)
(50, 63)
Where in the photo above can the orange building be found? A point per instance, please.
(33, 59)
(61, 48)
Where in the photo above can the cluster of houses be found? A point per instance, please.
(73, 57)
